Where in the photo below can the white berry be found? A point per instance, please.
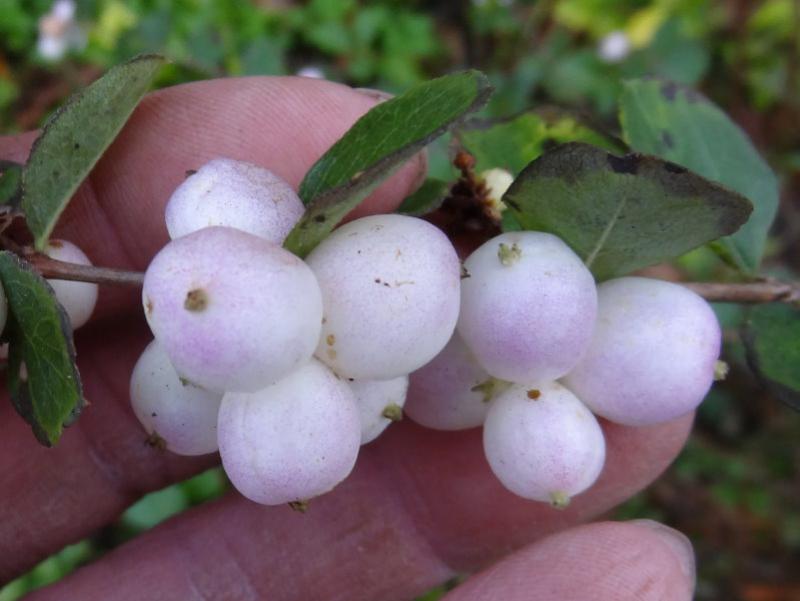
(77, 298)
(390, 285)
(181, 414)
(380, 402)
(234, 312)
(653, 354)
(293, 440)
(528, 307)
(542, 443)
(234, 194)
(452, 392)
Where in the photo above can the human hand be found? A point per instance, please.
(420, 505)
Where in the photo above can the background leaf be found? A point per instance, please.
(622, 213)
(378, 143)
(10, 180)
(772, 338)
(43, 380)
(75, 137)
(426, 199)
(678, 124)
(513, 143)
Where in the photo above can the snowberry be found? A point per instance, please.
(290, 441)
(233, 311)
(653, 354)
(528, 306)
(390, 286)
(234, 194)
(543, 443)
(77, 298)
(452, 392)
(380, 402)
(181, 414)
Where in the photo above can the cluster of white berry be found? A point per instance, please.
(288, 366)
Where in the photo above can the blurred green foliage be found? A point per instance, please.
(734, 488)
(550, 49)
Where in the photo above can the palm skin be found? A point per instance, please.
(420, 507)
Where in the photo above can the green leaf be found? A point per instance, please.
(427, 199)
(43, 380)
(513, 143)
(10, 180)
(378, 143)
(772, 339)
(622, 213)
(680, 125)
(75, 137)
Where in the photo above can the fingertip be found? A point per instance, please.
(677, 543)
(472, 519)
(602, 561)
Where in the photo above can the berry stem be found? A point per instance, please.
(766, 291)
(762, 291)
(393, 411)
(61, 270)
(559, 499)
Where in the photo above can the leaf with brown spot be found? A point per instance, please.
(622, 213)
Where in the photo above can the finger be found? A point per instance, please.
(632, 561)
(53, 497)
(419, 507)
(284, 124)
(471, 517)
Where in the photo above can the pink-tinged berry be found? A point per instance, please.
(234, 312)
(653, 355)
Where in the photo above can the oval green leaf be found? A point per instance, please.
(680, 125)
(43, 380)
(75, 137)
(621, 213)
(771, 336)
(383, 139)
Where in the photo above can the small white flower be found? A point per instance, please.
(64, 10)
(58, 31)
(614, 47)
(51, 48)
(311, 71)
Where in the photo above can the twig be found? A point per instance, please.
(768, 291)
(764, 291)
(60, 270)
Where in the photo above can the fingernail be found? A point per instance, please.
(679, 544)
(378, 95)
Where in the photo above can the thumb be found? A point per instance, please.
(606, 561)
